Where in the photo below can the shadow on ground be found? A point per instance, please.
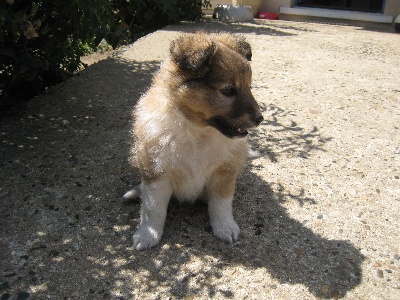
(237, 27)
(281, 135)
(65, 234)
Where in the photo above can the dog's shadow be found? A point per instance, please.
(291, 252)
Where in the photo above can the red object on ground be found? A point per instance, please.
(267, 15)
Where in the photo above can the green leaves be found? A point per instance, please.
(34, 8)
(42, 41)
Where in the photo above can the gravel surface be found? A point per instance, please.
(318, 204)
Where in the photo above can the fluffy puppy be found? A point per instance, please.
(190, 132)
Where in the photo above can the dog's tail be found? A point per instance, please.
(132, 194)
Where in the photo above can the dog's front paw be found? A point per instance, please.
(227, 231)
(146, 237)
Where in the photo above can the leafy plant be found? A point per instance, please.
(42, 41)
(140, 17)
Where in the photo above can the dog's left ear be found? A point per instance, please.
(193, 52)
(235, 42)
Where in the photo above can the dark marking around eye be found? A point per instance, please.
(229, 92)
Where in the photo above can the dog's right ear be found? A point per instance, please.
(193, 52)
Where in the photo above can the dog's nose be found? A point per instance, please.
(258, 119)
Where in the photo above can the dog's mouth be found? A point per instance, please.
(229, 130)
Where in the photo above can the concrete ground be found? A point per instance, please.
(318, 204)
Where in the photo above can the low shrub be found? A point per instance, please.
(42, 41)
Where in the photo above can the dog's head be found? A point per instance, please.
(213, 80)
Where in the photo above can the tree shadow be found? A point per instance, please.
(64, 165)
(255, 27)
(280, 135)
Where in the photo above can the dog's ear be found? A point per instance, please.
(235, 42)
(193, 52)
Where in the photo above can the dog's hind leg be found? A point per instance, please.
(220, 190)
(155, 199)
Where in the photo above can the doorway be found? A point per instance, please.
(375, 6)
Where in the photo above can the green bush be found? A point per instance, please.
(140, 17)
(41, 42)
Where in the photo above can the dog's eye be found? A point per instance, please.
(229, 92)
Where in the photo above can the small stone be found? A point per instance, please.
(178, 246)
(23, 296)
(396, 257)
(258, 263)
(379, 273)
(388, 271)
(335, 294)
(320, 217)
(4, 285)
(54, 253)
(298, 251)
(5, 296)
(325, 289)
(226, 293)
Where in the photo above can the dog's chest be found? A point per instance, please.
(196, 158)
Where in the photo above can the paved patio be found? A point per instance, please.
(318, 205)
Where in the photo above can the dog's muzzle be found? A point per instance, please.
(235, 129)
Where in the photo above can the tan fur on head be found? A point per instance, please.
(192, 52)
(190, 129)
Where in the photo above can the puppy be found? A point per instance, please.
(190, 132)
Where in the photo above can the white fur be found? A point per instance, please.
(156, 196)
(221, 219)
